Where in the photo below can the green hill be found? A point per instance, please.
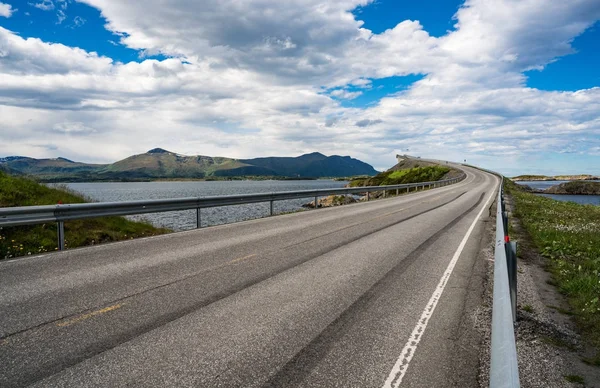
(408, 170)
(47, 169)
(159, 163)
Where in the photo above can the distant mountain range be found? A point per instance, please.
(162, 164)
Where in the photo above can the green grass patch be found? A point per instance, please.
(594, 361)
(557, 342)
(527, 308)
(34, 239)
(399, 177)
(568, 234)
(560, 310)
(575, 379)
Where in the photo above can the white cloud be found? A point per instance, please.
(345, 94)
(78, 21)
(257, 84)
(44, 5)
(61, 15)
(76, 128)
(6, 10)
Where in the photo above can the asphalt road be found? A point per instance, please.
(365, 295)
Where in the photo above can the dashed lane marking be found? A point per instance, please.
(89, 315)
(241, 259)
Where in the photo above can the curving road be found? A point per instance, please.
(367, 295)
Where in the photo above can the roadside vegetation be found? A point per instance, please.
(35, 239)
(568, 235)
(398, 177)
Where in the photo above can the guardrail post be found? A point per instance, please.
(198, 218)
(408, 189)
(368, 195)
(383, 193)
(397, 192)
(60, 227)
(271, 207)
(505, 222)
(316, 201)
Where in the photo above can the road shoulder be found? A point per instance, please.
(549, 350)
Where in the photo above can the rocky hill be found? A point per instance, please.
(575, 187)
(162, 164)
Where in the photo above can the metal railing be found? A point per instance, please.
(504, 370)
(29, 215)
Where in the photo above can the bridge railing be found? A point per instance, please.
(504, 372)
(29, 215)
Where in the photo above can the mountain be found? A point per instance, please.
(159, 163)
(162, 164)
(47, 168)
(314, 165)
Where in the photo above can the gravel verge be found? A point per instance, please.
(549, 350)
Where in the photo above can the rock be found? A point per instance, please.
(332, 200)
(575, 187)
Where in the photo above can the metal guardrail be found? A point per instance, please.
(29, 215)
(504, 370)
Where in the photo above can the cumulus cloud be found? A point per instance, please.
(279, 72)
(6, 10)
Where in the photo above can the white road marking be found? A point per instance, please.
(399, 369)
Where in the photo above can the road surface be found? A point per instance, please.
(364, 295)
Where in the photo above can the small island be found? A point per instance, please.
(581, 177)
(575, 188)
(568, 188)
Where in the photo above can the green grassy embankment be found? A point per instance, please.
(398, 177)
(568, 235)
(35, 239)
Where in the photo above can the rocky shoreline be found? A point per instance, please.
(568, 188)
(544, 178)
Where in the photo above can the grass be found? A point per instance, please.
(527, 308)
(594, 361)
(398, 177)
(575, 379)
(568, 234)
(35, 239)
(557, 342)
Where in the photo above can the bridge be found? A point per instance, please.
(376, 294)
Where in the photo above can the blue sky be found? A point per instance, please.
(510, 86)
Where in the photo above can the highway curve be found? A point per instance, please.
(364, 295)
